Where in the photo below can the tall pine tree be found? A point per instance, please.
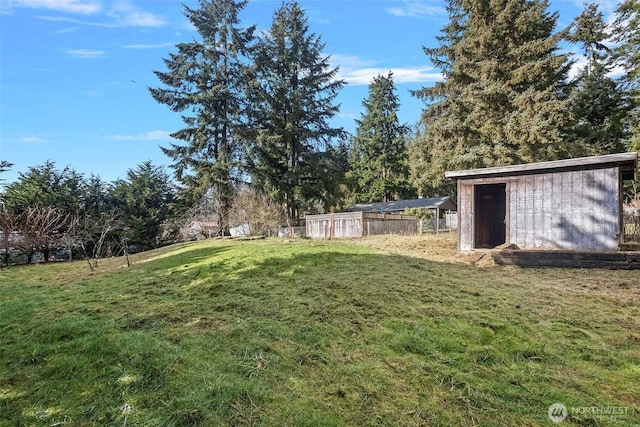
(293, 101)
(379, 154)
(597, 101)
(627, 34)
(206, 80)
(501, 99)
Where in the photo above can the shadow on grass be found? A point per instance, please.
(305, 334)
(183, 257)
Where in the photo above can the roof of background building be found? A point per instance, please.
(442, 202)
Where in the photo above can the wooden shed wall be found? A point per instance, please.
(319, 226)
(357, 224)
(347, 225)
(374, 224)
(577, 209)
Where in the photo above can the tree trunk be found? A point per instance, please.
(126, 254)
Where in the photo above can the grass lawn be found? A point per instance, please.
(385, 331)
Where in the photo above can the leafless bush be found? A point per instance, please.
(631, 220)
(262, 215)
(8, 228)
(95, 232)
(38, 229)
(203, 220)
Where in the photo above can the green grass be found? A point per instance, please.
(386, 331)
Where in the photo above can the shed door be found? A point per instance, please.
(490, 207)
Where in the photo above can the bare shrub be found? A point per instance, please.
(631, 219)
(96, 230)
(261, 213)
(8, 227)
(39, 229)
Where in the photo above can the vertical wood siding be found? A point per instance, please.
(561, 210)
(465, 216)
(319, 227)
(357, 224)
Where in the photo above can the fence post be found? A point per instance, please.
(331, 228)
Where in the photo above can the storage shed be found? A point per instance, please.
(573, 204)
(348, 225)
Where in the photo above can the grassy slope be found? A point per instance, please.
(384, 331)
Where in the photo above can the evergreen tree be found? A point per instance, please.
(501, 101)
(293, 100)
(207, 78)
(46, 186)
(627, 34)
(328, 185)
(4, 167)
(144, 202)
(95, 198)
(379, 156)
(597, 101)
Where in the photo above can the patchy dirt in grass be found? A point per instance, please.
(619, 286)
(439, 248)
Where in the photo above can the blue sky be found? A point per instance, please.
(74, 73)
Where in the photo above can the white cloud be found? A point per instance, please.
(416, 75)
(581, 63)
(416, 9)
(116, 15)
(150, 46)
(605, 6)
(92, 92)
(577, 67)
(82, 7)
(68, 30)
(33, 140)
(358, 71)
(126, 15)
(84, 53)
(153, 135)
(349, 116)
(616, 72)
(364, 76)
(350, 61)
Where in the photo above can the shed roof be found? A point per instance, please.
(442, 202)
(628, 163)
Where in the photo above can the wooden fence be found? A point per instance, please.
(291, 232)
(358, 224)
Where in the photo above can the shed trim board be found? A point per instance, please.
(561, 205)
(627, 161)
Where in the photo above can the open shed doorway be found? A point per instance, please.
(490, 215)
